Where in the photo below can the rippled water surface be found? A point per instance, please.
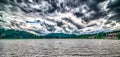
(59, 48)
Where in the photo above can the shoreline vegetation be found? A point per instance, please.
(15, 34)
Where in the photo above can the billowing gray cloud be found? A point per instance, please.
(61, 16)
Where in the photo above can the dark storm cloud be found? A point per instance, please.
(70, 21)
(75, 14)
(114, 5)
(4, 1)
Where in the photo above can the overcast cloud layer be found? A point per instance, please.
(42, 17)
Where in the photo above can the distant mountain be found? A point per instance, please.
(16, 34)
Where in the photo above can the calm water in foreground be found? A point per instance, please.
(60, 48)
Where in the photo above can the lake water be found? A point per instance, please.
(60, 48)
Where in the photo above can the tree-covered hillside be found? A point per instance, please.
(16, 34)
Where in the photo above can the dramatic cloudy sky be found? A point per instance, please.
(60, 16)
